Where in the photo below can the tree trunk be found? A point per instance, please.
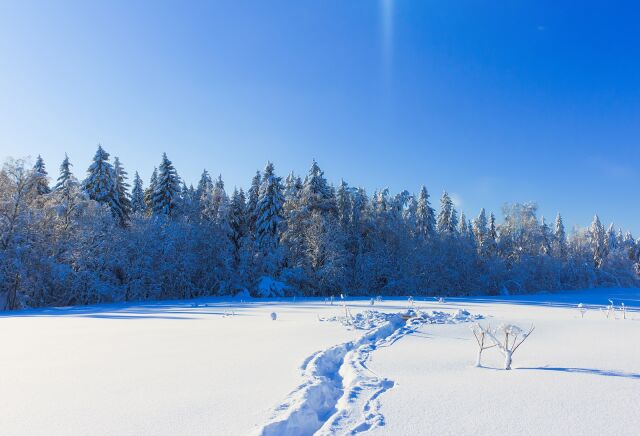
(507, 360)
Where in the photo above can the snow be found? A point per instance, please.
(222, 366)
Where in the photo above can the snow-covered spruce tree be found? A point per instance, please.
(545, 236)
(41, 177)
(611, 241)
(269, 210)
(344, 203)
(447, 217)
(215, 205)
(559, 239)
(101, 184)
(122, 190)
(138, 205)
(492, 236)
(252, 204)
(292, 188)
(166, 195)
(148, 193)
(237, 222)
(480, 232)
(425, 216)
(65, 173)
(316, 192)
(598, 243)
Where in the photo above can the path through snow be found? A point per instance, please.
(340, 394)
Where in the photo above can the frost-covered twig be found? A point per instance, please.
(481, 337)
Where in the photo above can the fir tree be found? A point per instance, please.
(597, 239)
(138, 205)
(269, 209)
(464, 226)
(545, 244)
(480, 231)
(148, 193)
(42, 181)
(611, 242)
(316, 192)
(343, 204)
(447, 218)
(560, 238)
(122, 187)
(100, 184)
(492, 236)
(252, 203)
(425, 215)
(65, 174)
(167, 191)
(237, 221)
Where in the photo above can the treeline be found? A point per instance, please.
(65, 241)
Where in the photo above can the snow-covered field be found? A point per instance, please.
(225, 367)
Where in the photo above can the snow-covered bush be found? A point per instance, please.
(506, 338)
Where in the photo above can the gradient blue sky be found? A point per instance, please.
(534, 101)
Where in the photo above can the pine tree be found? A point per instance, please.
(215, 203)
(448, 217)
(611, 242)
(205, 185)
(560, 238)
(124, 199)
(425, 215)
(252, 203)
(138, 205)
(148, 193)
(316, 192)
(237, 221)
(597, 236)
(292, 188)
(545, 237)
(269, 209)
(65, 174)
(40, 172)
(100, 184)
(492, 236)
(344, 204)
(167, 192)
(480, 231)
(463, 227)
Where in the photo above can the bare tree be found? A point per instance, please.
(507, 338)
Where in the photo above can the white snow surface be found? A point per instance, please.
(223, 366)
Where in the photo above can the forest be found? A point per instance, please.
(106, 237)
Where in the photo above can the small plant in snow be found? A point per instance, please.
(609, 311)
(482, 339)
(582, 310)
(507, 338)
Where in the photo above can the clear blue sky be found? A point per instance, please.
(495, 103)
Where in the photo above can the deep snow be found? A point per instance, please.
(225, 367)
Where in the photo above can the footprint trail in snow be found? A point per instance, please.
(340, 395)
